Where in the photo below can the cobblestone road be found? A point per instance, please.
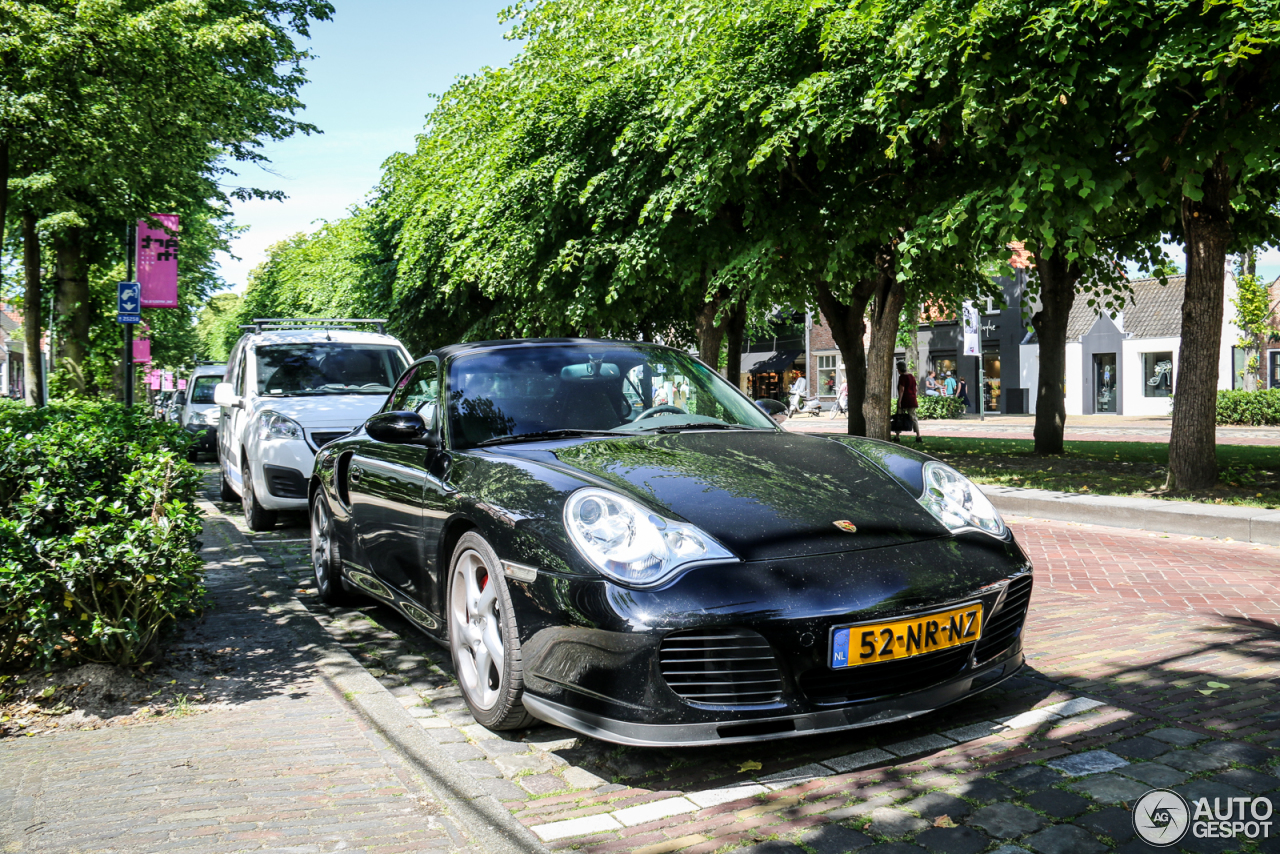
(1127, 629)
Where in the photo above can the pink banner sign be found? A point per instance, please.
(141, 351)
(182, 385)
(153, 380)
(158, 262)
(166, 384)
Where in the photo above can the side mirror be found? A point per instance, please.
(397, 427)
(775, 409)
(225, 395)
(181, 399)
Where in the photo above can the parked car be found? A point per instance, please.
(293, 386)
(199, 415)
(174, 406)
(612, 538)
(160, 405)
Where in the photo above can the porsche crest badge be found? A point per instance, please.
(846, 526)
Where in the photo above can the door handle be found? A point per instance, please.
(354, 474)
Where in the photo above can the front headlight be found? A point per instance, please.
(630, 545)
(957, 502)
(273, 425)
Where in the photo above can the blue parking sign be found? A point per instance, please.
(128, 302)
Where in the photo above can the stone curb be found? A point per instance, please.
(1245, 524)
(482, 817)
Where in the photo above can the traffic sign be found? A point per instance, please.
(128, 302)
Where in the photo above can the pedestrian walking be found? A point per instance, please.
(907, 405)
(962, 393)
(949, 385)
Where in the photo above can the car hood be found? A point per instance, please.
(763, 495)
(324, 411)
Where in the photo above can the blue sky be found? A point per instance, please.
(377, 64)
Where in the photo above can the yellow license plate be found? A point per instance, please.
(891, 641)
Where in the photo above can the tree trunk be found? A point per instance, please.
(848, 323)
(1206, 227)
(736, 326)
(1058, 278)
(710, 330)
(4, 187)
(886, 309)
(73, 306)
(33, 364)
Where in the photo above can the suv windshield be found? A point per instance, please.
(202, 389)
(516, 392)
(327, 367)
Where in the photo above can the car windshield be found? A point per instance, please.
(327, 367)
(202, 389)
(512, 393)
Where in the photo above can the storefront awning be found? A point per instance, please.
(768, 362)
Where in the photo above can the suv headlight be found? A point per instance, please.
(273, 425)
(630, 545)
(957, 502)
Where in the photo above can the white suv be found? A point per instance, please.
(198, 414)
(292, 387)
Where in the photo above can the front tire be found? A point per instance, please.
(325, 560)
(483, 637)
(257, 517)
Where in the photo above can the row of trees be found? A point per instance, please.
(675, 167)
(114, 109)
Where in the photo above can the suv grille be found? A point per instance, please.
(723, 667)
(1006, 625)
(886, 679)
(319, 439)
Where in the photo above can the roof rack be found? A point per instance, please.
(275, 324)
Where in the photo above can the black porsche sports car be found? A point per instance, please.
(611, 537)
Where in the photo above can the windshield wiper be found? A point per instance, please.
(682, 428)
(544, 434)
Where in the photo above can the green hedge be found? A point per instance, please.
(1253, 408)
(98, 533)
(939, 407)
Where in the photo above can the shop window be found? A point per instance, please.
(991, 380)
(1157, 374)
(943, 367)
(828, 381)
(1274, 372)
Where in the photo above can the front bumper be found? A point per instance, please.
(281, 462)
(206, 437)
(622, 671)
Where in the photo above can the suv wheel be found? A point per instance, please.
(257, 517)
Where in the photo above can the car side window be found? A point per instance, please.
(423, 393)
(395, 403)
(237, 378)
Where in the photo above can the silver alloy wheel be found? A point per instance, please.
(475, 615)
(321, 541)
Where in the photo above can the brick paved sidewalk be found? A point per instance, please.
(288, 766)
(1078, 429)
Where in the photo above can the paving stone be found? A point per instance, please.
(581, 778)
(854, 761)
(636, 763)
(480, 769)
(953, 840)
(575, 827)
(1065, 839)
(934, 804)
(894, 823)
(1193, 762)
(773, 846)
(1155, 774)
(1058, 803)
(984, 790)
(1236, 751)
(1111, 788)
(1250, 781)
(972, 731)
(1176, 736)
(1139, 846)
(541, 784)
(510, 766)
(503, 790)
(461, 752)
(501, 747)
(716, 797)
(1207, 846)
(1010, 849)
(1115, 822)
(1197, 789)
(1031, 778)
(654, 810)
(1089, 762)
(834, 839)
(865, 808)
(447, 736)
(786, 779)
(892, 848)
(1006, 821)
(922, 744)
(1139, 748)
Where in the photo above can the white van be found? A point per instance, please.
(293, 386)
(198, 414)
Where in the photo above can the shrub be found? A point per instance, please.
(97, 533)
(939, 407)
(1253, 408)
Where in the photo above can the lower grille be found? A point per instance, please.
(1005, 625)
(723, 667)
(284, 482)
(320, 439)
(886, 679)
